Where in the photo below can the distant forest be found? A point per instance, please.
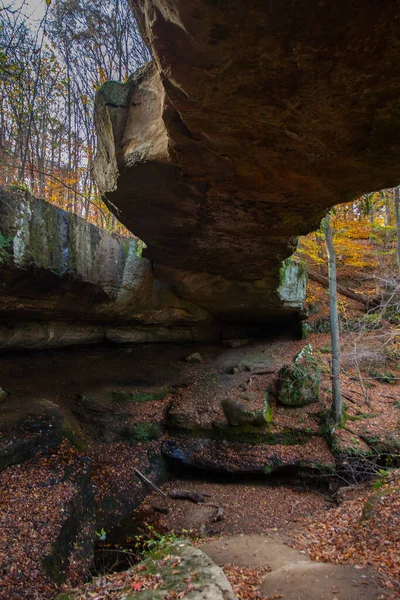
(54, 56)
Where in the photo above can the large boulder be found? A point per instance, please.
(248, 459)
(29, 434)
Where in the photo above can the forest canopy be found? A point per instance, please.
(54, 56)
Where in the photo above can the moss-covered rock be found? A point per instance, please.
(373, 501)
(292, 282)
(321, 325)
(72, 431)
(170, 568)
(385, 443)
(245, 459)
(72, 282)
(250, 434)
(299, 383)
(30, 435)
(122, 396)
(142, 432)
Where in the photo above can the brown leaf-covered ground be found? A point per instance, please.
(364, 530)
(34, 501)
(248, 507)
(34, 495)
(245, 582)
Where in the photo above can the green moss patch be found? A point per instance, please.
(121, 396)
(142, 432)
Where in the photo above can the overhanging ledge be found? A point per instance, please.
(247, 126)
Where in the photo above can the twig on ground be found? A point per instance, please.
(349, 398)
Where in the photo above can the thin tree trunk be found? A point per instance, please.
(38, 74)
(320, 255)
(371, 220)
(334, 319)
(397, 216)
(388, 214)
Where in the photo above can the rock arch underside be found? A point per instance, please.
(251, 121)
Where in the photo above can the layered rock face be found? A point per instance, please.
(64, 281)
(252, 120)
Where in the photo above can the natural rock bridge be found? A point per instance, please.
(252, 120)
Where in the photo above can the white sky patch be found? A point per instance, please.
(33, 10)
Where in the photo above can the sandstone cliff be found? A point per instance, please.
(252, 120)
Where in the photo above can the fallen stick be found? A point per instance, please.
(160, 509)
(349, 398)
(181, 495)
(294, 506)
(324, 281)
(198, 499)
(373, 378)
(356, 392)
(144, 479)
(265, 372)
(188, 495)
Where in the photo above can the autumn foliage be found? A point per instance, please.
(52, 61)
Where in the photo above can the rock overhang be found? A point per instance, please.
(248, 125)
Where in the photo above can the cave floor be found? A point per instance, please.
(102, 394)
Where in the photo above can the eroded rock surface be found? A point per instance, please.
(64, 281)
(245, 459)
(251, 121)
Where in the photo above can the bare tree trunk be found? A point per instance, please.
(388, 214)
(320, 256)
(38, 74)
(334, 319)
(388, 218)
(397, 216)
(371, 220)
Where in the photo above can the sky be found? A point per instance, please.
(33, 9)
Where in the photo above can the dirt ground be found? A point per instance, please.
(249, 507)
(292, 575)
